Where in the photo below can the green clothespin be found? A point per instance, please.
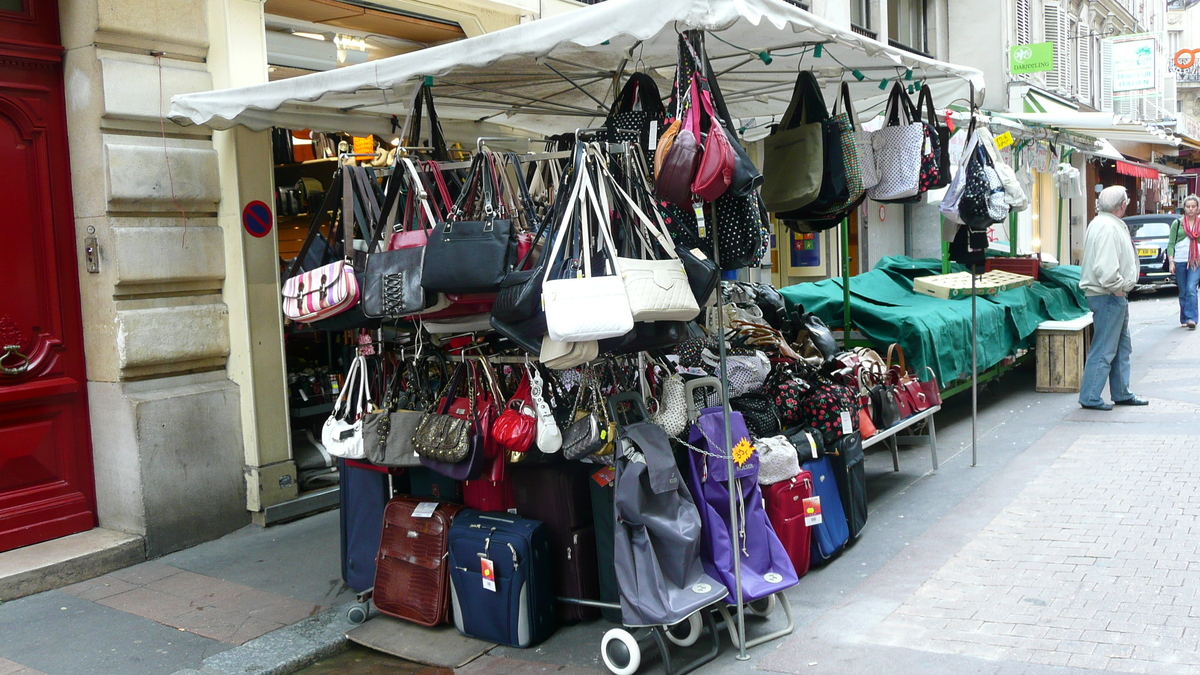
(883, 83)
(858, 75)
(818, 50)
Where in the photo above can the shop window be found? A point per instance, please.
(906, 24)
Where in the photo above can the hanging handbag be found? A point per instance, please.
(393, 278)
(941, 136)
(342, 433)
(898, 149)
(747, 179)
(637, 114)
(834, 193)
(714, 172)
(680, 160)
(740, 223)
(984, 201)
(586, 307)
(331, 288)
(793, 156)
(515, 429)
(549, 436)
(670, 411)
(471, 256)
(588, 433)
(842, 130)
(441, 436)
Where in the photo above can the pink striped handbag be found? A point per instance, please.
(321, 293)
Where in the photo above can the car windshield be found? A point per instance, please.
(1151, 229)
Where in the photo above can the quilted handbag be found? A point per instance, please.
(342, 433)
(714, 172)
(587, 307)
(898, 149)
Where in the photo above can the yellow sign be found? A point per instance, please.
(364, 146)
(1004, 140)
(742, 452)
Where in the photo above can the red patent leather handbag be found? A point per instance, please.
(516, 427)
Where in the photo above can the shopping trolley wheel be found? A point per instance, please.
(762, 607)
(621, 652)
(357, 613)
(692, 624)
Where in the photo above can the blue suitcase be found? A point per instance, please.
(519, 612)
(363, 495)
(831, 534)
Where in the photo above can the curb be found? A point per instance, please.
(285, 650)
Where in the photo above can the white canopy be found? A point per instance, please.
(1100, 125)
(557, 74)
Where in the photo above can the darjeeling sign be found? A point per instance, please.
(1035, 58)
(1134, 66)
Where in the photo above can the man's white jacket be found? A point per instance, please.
(1110, 263)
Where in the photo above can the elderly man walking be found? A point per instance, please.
(1110, 271)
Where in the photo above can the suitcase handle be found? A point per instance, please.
(636, 403)
(692, 386)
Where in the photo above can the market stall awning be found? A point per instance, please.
(1136, 169)
(557, 73)
(1101, 125)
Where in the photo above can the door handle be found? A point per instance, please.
(14, 351)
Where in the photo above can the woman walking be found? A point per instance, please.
(1183, 252)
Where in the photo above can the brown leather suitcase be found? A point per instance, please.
(411, 578)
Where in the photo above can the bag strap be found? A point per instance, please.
(314, 226)
(569, 211)
(417, 189)
(642, 218)
(844, 97)
(925, 100)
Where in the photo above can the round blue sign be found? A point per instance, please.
(256, 218)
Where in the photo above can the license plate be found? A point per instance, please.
(1147, 252)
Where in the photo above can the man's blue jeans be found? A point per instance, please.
(1187, 281)
(1108, 359)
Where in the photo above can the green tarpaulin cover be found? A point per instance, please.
(936, 333)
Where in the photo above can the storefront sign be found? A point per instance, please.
(806, 251)
(1134, 67)
(256, 218)
(1035, 58)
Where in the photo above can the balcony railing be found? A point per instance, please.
(865, 32)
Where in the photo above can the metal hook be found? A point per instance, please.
(14, 350)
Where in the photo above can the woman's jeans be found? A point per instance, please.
(1187, 281)
(1108, 359)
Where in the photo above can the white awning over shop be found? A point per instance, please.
(557, 74)
(1100, 125)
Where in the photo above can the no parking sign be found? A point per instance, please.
(256, 218)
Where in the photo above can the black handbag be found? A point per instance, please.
(648, 336)
(702, 273)
(762, 420)
(526, 333)
(822, 337)
(941, 136)
(471, 256)
(637, 115)
(392, 279)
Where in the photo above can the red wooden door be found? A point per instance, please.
(46, 482)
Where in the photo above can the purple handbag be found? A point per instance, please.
(766, 568)
(470, 468)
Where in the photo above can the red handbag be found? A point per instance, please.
(715, 171)
(866, 427)
(933, 393)
(516, 428)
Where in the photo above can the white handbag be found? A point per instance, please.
(777, 460)
(671, 414)
(565, 355)
(587, 307)
(658, 290)
(342, 433)
(897, 148)
(549, 436)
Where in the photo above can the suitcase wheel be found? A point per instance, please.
(686, 632)
(761, 607)
(358, 613)
(621, 652)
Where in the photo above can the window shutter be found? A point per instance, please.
(1106, 75)
(1084, 55)
(1066, 46)
(1050, 22)
(1023, 34)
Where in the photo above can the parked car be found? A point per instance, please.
(1150, 236)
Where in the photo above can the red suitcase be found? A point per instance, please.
(785, 510)
(488, 495)
(411, 578)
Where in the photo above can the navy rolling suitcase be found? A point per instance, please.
(831, 534)
(501, 578)
(363, 496)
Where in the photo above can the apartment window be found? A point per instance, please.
(906, 24)
(860, 13)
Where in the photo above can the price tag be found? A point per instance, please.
(698, 209)
(812, 511)
(699, 254)
(1004, 140)
(604, 476)
(847, 424)
(489, 574)
(653, 134)
(425, 510)
(812, 444)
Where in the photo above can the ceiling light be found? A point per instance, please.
(350, 42)
(306, 34)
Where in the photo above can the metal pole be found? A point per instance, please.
(846, 283)
(734, 486)
(974, 370)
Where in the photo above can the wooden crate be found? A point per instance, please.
(1061, 350)
(958, 285)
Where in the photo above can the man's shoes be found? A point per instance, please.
(1101, 406)
(1133, 400)
(1191, 325)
